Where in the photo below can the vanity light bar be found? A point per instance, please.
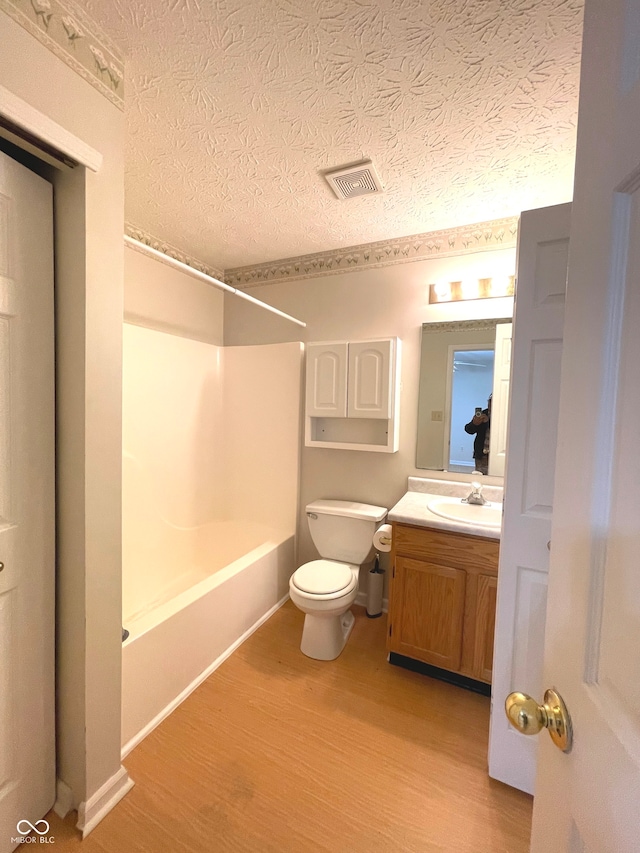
(172, 262)
(475, 288)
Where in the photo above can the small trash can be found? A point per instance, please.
(374, 590)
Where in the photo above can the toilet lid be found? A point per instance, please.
(322, 577)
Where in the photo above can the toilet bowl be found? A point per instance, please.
(325, 589)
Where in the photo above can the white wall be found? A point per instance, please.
(89, 274)
(161, 297)
(356, 306)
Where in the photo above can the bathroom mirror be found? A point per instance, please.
(461, 365)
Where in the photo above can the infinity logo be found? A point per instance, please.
(32, 827)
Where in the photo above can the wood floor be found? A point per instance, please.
(276, 753)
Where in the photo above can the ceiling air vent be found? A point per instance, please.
(359, 179)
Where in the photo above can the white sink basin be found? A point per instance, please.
(485, 515)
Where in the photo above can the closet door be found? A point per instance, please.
(27, 556)
(369, 379)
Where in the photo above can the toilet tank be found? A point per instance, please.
(343, 530)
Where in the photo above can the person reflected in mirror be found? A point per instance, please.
(480, 426)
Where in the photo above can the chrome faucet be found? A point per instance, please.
(475, 495)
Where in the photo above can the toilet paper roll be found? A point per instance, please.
(382, 538)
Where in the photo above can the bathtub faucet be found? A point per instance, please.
(475, 495)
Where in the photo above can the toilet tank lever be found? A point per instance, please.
(312, 515)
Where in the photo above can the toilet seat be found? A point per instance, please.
(323, 579)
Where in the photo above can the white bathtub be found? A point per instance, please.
(183, 629)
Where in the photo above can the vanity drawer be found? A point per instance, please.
(445, 547)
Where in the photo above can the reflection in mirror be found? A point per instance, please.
(471, 372)
(463, 365)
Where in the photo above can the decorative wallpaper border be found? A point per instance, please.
(465, 239)
(480, 325)
(167, 249)
(68, 33)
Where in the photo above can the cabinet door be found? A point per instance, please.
(485, 626)
(326, 394)
(369, 379)
(428, 612)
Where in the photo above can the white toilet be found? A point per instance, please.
(325, 589)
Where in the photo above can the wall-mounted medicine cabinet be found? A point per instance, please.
(353, 395)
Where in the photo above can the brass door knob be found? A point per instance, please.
(526, 715)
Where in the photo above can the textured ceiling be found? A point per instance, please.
(467, 108)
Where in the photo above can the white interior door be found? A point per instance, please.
(589, 800)
(500, 400)
(543, 251)
(27, 558)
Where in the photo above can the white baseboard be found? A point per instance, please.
(168, 709)
(91, 812)
(464, 463)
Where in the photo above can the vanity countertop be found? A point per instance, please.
(413, 507)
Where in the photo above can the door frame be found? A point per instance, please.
(90, 777)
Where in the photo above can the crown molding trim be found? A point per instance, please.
(167, 249)
(68, 33)
(463, 240)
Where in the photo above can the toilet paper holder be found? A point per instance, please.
(383, 538)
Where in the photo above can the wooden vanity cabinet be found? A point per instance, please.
(442, 599)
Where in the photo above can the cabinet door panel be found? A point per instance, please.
(369, 379)
(485, 626)
(430, 599)
(326, 395)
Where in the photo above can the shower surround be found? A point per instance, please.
(211, 439)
